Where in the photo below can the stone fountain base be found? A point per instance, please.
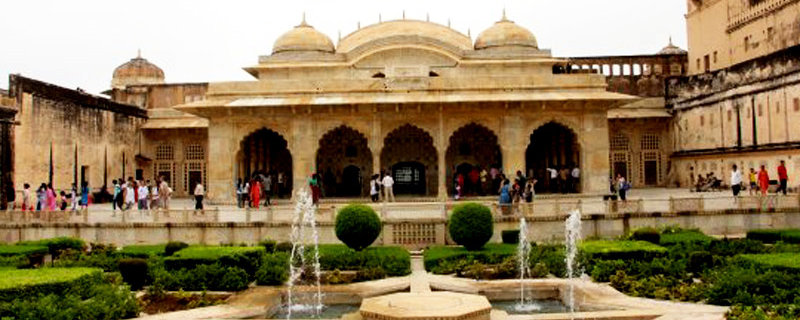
(426, 306)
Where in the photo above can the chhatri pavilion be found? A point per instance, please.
(414, 98)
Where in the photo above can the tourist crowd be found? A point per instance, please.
(756, 181)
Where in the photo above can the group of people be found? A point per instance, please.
(260, 186)
(523, 189)
(759, 181)
(479, 182)
(144, 194)
(381, 184)
(46, 198)
(564, 179)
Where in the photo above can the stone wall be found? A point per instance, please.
(67, 136)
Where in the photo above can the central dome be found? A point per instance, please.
(406, 32)
(303, 38)
(137, 71)
(505, 33)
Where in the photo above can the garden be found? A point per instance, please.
(66, 278)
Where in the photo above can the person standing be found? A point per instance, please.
(164, 193)
(84, 195)
(505, 196)
(484, 182)
(130, 194)
(753, 181)
(388, 192)
(783, 177)
(154, 197)
(763, 180)
(622, 187)
(114, 199)
(459, 186)
(373, 188)
(239, 193)
(552, 182)
(313, 183)
(143, 194)
(246, 194)
(255, 193)
(576, 178)
(26, 198)
(199, 192)
(50, 197)
(41, 197)
(736, 180)
(268, 190)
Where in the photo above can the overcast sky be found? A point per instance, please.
(79, 43)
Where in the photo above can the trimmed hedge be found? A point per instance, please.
(687, 236)
(57, 245)
(648, 234)
(247, 258)
(775, 235)
(143, 251)
(274, 271)
(357, 226)
(135, 272)
(173, 247)
(395, 261)
(22, 250)
(784, 261)
(32, 283)
(510, 236)
(492, 253)
(623, 250)
(471, 225)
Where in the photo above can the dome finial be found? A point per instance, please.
(427, 17)
(138, 53)
(670, 40)
(304, 23)
(404, 14)
(448, 22)
(504, 18)
(380, 19)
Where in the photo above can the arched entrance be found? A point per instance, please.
(343, 162)
(265, 153)
(473, 148)
(553, 146)
(408, 153)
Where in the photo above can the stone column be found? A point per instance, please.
(513, 140)
(441, 152)
(303, 150)
(594, 152)
(220, 171)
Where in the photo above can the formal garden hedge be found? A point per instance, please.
(394, 261)
(775, 235)
(621, 249)
(143, 251)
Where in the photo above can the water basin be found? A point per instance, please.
(540, 306)
(334, 311)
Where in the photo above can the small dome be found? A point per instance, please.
(303, 38)
(505, 33)
(137, 71)
(671, 49)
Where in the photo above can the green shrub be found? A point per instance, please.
(395, 261)
(56, 246)
(687, 236)
(173, 247)
(234, 279)
(775, 235)
(789, 261)
(284, 246)
(268, 244)
(552, 256)
(357, 226)
(368, 274)
(510, 236)
(445, 259)
(624, 250)
(648, 234)
(603, 270)
(749, 285)
(215, 277)
(247, 258)
(143, 251)
(700, 260)
(732, 247)
(22, 250)
(471, 225)
(102, 261)
(32, 283)
(134, 272)
(101, 301)
(274, 270)
(766, 312)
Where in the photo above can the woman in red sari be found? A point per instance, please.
(255, 193)
(763, 180)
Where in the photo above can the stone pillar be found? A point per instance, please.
(303, 150)
(442, 192)
(220, 171)
(593, 139)
(513, 140)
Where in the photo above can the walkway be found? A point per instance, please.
(419, 277)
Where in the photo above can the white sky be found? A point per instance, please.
(79, 43)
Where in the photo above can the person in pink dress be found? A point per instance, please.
(763, 180)
(51, 198)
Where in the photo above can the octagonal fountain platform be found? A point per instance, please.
(426, 306)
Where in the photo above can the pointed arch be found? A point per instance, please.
(410, 156)
(472, 149)
(341, 151)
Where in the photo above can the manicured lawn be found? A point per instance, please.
(13, 278)
(787, 260)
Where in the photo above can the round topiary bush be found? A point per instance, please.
(471, 225)
(357, 226)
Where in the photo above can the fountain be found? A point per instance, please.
(573, 235)
(304, 231)
(523, 265)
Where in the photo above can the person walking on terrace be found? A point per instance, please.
(736, 181)
(763, 180)
(753, 177)
(199, 192)
(388, 193)
(782, 177)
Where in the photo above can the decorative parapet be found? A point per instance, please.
(755, 12)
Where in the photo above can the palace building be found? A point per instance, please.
(416, 99)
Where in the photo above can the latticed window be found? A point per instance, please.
(165, 153)
(619, 143)
(166, 170)
(650, 142)
(195, 152)
(193, 172)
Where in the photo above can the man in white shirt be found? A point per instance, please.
(387, 183)
(736, 181)
(143, 193)
(576, 178)
(199, 192)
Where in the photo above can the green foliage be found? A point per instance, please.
(357, 226)
(648, 234)
(72, 259)
(510, 236)
(766, 312)
(471, 225)
(32, 283)
(143, 251)
(786, 260)
(214, 277)
(100, 301)
(283, 247)
(56, 246)
(752, 285)
(173, 247)
(21, 250)
(611, 250)
(371, 273)
(134, 271)
(247, 258)
(268, 244)
(450, 259)
(274, 270)
(700, 260)
(775, 235)
(394, 261)
(691, 236)
(551, 257)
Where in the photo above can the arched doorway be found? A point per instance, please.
(553, 147)
(408, 153)
(473, 149)
(343, 160)
(265, 153)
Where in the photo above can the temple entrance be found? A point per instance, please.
(553, 147)
(408, 153)
(265, 154)
(473, 149)
(343, 161)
